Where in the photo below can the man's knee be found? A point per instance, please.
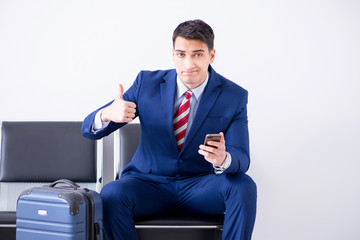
(115, 192)
(108, 192)
(241, 187)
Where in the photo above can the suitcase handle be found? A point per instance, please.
(65, 181)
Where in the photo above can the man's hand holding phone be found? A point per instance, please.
(119, 111)
(213, 149)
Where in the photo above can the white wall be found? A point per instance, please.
(300, 61)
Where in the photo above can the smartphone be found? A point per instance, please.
(212, 137)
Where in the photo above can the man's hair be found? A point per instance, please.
(195, 30)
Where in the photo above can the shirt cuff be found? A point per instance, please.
(224, 166)
(98, 125)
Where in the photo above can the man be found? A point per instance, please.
(172, 170)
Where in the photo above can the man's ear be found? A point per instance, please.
(212, 56)
(173, 55)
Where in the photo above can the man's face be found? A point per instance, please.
(192, 59)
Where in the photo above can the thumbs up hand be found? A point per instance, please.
(119, 111)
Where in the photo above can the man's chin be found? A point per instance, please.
(188, 78)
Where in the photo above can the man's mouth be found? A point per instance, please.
(189, 72)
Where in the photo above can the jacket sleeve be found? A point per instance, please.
(237, 139)
(131, 95)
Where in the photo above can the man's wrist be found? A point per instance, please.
(98, 124)
(227, 161)
(103, 116)
(225, 165)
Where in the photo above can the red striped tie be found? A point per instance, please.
(181, 119)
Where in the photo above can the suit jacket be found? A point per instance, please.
(222, 108)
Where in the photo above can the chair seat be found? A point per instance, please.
(8, 225)
(181, 219)
(7, 218)
(180, 226)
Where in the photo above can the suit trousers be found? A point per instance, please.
(134, 196)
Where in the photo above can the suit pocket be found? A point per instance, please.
(216, 124)
(216, 120)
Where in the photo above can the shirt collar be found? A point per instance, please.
(181, 88)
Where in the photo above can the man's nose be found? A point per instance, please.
(189, 62)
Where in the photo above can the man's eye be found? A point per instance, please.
(180, 54)
(198, 55)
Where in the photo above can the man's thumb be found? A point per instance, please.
(121, 91)
(222, 140)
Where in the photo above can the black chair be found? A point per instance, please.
(36, 153)
(8, 225)
(174, 226)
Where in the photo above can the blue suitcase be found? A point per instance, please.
(59, 211)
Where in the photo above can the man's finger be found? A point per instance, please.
(128, 120)
(207, 148)
(131, 110)
(130, 104)
(214, 144)
(130, 115)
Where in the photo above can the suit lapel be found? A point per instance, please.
(167, 92)
(210, 94)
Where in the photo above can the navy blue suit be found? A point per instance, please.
(160, 178)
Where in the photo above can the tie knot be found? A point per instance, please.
(188, 94)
